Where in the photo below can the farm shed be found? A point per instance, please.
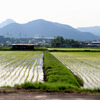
(23, 46)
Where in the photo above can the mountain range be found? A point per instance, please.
(94, 30)
(44, 28)
(6, 22)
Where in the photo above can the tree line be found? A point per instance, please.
(61, 42)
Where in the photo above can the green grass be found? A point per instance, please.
(90, 90)
(39, 48)
(55, 71)
(54, 87)
(49, 87)
(74, 49)
(5, 48)
(7, 86)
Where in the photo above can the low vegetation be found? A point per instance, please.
(74, 49)
(56, 72)
(49, 87)
(5, 48)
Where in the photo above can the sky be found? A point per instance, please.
(77, 13)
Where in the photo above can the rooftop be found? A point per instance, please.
(95, 42)
(24, 44)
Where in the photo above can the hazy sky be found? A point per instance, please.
(77, 13)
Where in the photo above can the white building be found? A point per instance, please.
(95, 43)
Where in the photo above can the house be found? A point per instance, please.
(95, 43)
(23, 46)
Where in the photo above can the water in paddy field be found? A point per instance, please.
(27, 68)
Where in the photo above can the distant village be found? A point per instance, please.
(6, 41)
(42, 41)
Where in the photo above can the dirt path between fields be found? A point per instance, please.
(47, 96)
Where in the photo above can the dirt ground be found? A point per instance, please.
(47, 96)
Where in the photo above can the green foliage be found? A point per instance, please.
(80, 80)
(49, 87)
(5, 48)
(55, 87)
(57, 42)
(55, 71)
(6, 86)
(41, 48)
(90, 90)
(61, 42)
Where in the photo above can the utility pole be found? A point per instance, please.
(20, 35)
(10, 35)
(7, 35)
(25, 35)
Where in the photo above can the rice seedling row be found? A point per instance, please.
(18, 67)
